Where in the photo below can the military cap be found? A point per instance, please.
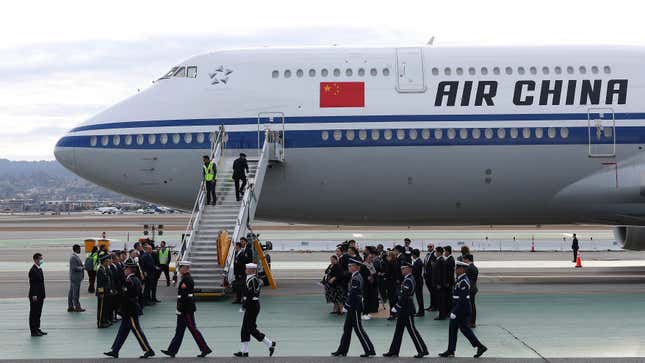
(353, 261)
(460, 264)
(184, 263)
(251, 265)
(130, 263)
(105, 257)
(406, 264)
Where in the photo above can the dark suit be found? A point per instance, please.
(186, 316)
(473, 273)
(242, 257)
(148, 266)
(461, 308)
(240, 168)
(36, 297)
(575, 246)
(427, 277)
(449, 279)
(417, 272)
(354, 307)
(405, 319)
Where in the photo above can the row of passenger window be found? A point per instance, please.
(460, 71)
(463, 134)
(336, 72)
(150, 139)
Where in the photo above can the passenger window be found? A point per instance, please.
(324, 72)
(484, 71)
(472, 71)
(496, 71)
(413, 134)
(373, 72)
(336, 72)
(509, 71)
(446, 71)
(300, 73)
(438, 134)
(324, 135)
(181, 72)
(387, 134)
(477, 133)
(348, 72)
(533, 70)
(452, 133)
(188, 138)
(564, 132)
(139, 139)
(362, 134)
(460, 71)
(521, 70)
(338, 135)
(176, 138)
(287, 74)
(376, 134)
(400, 134)
(463, 134)
(312, 73)
(163, 139)
(386, 72)
(583, 70)
(551, 132)
(435, 71)
(570, 70)
(539, 133)
(526, 132)
(361, 72)
(595, 70)
(349, 135)
(93, 140)
(514, 133)
(558, 70)
(606, 69)
(200, 137)
(545, 70)
(275, 74)
(425, 134)
(128, 139)
(488, 133)
(152, 139)
(105, 140)
(191, 72)
(501, 133)
(116, 140)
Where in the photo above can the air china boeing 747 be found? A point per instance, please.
(396, 136)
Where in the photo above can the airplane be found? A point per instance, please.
(393, 135)
(108, 210)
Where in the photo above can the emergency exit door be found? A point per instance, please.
(602, 132)
(409, 63)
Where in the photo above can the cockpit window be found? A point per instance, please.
(191, 72)
(170, 73)
(181, 72)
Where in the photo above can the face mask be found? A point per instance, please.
(136, 259)
(41, 262)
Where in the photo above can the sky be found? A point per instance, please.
(63, 61)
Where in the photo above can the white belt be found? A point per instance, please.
(457, 297)
(189, 295)
(256, 298)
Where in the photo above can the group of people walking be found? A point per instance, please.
(357, 284)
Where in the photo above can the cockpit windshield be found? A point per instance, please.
(181, 71)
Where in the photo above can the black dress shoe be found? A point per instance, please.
(205, 353)
(36, 334)
(272, 349)
(42, 332)
(157, 301)
(171, 355)
(148, 354)
(390, 354)
(71, 310)
(421, 355)
(480, 351)
(368, 354)
(240, 354)
(339, 354)
(112, 354)
(447, 354)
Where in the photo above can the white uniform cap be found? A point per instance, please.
(462, 264)
(184, 263)
(251, 265)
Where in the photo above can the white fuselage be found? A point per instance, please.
(443, 135)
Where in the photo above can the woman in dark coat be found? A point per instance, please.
(370, 297)
(334, 285)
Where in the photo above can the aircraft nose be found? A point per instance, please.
(66, 155)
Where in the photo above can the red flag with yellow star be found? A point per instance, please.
(342, 94)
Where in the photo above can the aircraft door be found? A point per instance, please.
(602, 132)
(274, 123)
(410, 77)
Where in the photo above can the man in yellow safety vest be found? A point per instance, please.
(209, 171)
(164, 261)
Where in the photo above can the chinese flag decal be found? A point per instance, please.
(342, 94)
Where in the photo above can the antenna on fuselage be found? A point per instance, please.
(431, 41)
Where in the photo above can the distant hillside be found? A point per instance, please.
(46, 180)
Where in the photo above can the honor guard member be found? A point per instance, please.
(103, 293)
(354, 307)
(251, 309)
(460, 314)
(130, 311)
(186, 314)
(405, 309)
(209, 171)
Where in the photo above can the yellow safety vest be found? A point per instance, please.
(209, 172)
(163, 256)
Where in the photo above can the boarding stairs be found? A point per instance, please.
(213, 230)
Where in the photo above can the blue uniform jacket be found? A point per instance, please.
(461, 306)
(355, 293)
(404, 303)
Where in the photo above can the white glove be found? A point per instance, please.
(344, 310)
(242, 310)
(393, 310)
(453, 316)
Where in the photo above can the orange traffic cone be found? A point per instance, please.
(578, 261)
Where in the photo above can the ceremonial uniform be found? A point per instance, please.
(130, 311)
(460, 316)
(104, 290)
(354, 307)
(405, 309)
(251, 310)
(186, 318)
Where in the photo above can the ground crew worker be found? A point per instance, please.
(405, 310)
(460, 314)
(354, 308)
(103, 292)
(164, 261)
(240, 168)
(575, 246)
(186, 314)
(130, 311)
(91, 266)
(209, 171)
(251, 309)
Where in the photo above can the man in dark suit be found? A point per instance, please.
(240, 168)
(148, 267)
(450, 275)
(36, 295)
(417, 272)
(439, 283)
(575, 246)
(242, 256)
(427, 275)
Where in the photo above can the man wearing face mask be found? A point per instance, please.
(36, 295)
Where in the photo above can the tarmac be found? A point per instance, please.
(532, 307)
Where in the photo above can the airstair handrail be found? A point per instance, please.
(216, 151)
(249, 204)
